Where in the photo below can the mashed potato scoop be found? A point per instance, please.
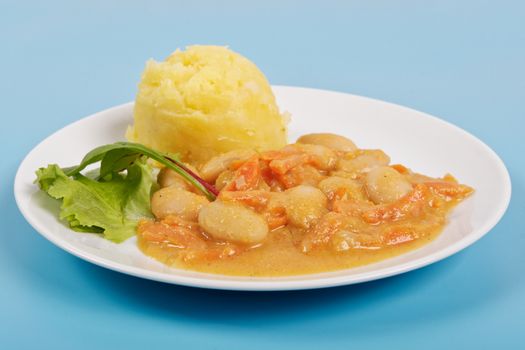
(205, 101)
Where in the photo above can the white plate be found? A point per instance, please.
(422, 142)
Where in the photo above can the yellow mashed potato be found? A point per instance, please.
(205, 101)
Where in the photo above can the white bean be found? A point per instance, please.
(333, 185)
(211, 170)
(233, 222)
(305, 205)
(224, 178)
(324, 157)
(333, 141)
(344, 240)
(168, 178)
(385, 185)
(176, 201)
(364, 161)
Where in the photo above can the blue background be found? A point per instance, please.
(461, 60)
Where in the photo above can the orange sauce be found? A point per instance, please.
(362, 221)
(280, 257)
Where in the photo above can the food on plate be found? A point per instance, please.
(211, 185)
(304, 208)
(317, 205)
(205, 101)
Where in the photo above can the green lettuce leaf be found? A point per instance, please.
(113, 198)
(118, 156)
(111, 205)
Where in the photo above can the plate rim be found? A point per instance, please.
(275, 283)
